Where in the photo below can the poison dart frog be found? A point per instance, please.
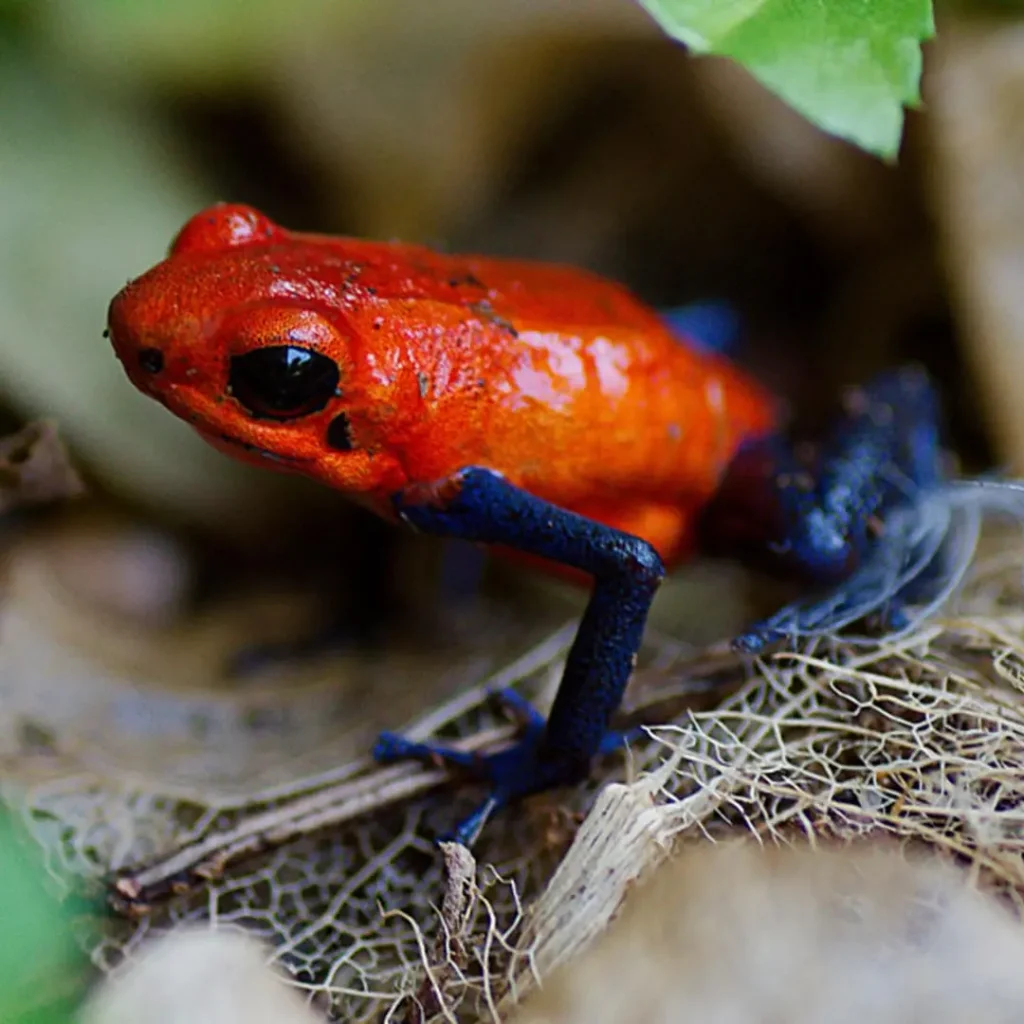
(540, 409)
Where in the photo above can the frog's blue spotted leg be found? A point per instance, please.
(861, 521)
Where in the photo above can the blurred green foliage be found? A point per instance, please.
(848, 66)
(41, 967)
(153, 39)
(91, 189)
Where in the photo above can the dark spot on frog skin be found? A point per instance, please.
(353, 270)
(339, 434)
(466, 280)
(423, 380)
(485, 311)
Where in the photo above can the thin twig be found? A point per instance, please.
(329, 799)
(364, 787)
(134, 891)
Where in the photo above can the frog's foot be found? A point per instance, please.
(509, 774)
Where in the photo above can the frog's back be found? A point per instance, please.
(585, 397)
(546, 293)
(634, 428)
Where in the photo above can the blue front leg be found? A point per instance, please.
(482, 506)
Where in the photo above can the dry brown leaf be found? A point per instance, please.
(35, 468)
(741, 934)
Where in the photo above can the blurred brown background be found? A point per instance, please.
(565, 131)
(569, 130)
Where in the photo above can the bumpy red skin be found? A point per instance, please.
(558, 379)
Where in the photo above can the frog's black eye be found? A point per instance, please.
(282, 382)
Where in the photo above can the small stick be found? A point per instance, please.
(136, 890)
(364, 787)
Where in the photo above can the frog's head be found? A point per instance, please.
(233, 335)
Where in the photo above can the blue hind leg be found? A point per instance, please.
(831, 526)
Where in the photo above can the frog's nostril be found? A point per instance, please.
(151, 360)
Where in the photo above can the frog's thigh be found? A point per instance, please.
(668, 528)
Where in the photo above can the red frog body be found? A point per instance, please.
(556, 378)
(538, 409)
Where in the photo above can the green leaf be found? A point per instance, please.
(41, 967)
(847, 65)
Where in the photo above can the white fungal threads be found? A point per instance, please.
(936, 531)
